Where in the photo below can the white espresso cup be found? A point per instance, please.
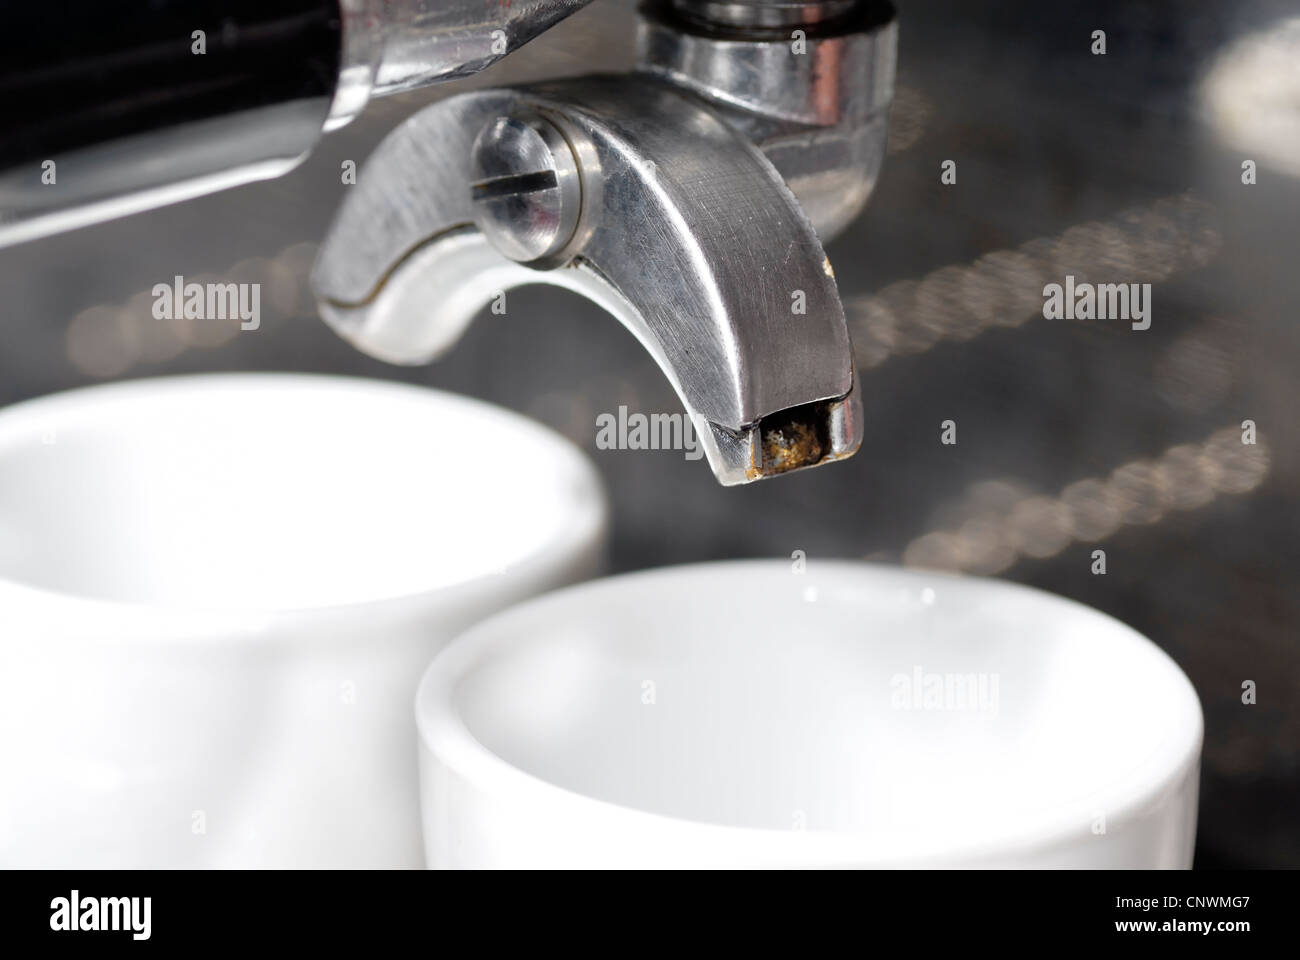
(217, 594)
(849, 715)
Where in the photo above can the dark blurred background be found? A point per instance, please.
(1072, 435)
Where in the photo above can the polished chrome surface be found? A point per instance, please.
(362, 45)
(394, 45)
(689, 237)
(748, 14)
(816, 105)
(136, 173)
(387, 46)
(689, 199)
(817, 80)
(526, 189)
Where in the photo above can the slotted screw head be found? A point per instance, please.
(526, 189)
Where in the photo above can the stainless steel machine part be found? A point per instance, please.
(812, 94)
(686, 199)
(394, 45)
(115, 111)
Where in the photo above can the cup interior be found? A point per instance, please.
(277, 491)
(921, 712)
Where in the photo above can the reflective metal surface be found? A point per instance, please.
(134, 115)
(139, 173)
(751, 14)
(389, 47)
(527, 189)
(664, 209)
(687, 236)
(816, 105)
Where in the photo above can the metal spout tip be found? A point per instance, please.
(694, 244)
(797, 438)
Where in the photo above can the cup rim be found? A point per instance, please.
(445, 734)
(569, 541)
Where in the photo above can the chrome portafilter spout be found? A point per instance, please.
(689, 198)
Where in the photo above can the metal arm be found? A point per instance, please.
(676, 197)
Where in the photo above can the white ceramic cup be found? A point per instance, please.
(743, 714)
(217, 594)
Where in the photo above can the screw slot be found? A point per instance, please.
(527, 189)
